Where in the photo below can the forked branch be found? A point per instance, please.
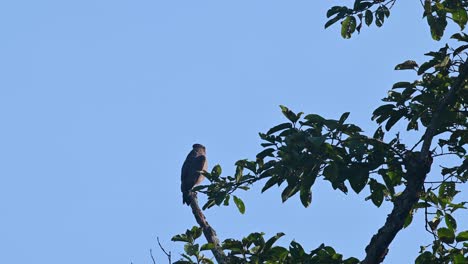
(417, 165)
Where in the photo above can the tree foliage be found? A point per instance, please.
(309, 147)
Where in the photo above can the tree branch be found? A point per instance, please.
(168, 255)
(449, 98)
(208, 231)
(152, 257)
(418, 166)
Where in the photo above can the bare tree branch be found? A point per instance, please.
(417, 166)
(208, 231)
(152, 257)
(167, 254)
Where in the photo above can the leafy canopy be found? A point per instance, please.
(309, 147)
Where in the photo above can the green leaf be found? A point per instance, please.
(206, 261)
(447, 189)
(296, 250)
(443, 64)
(331, 172)
(385, 10)
(408, 220)
(383, 110)
(377, 197)
(290, 115)
(331, 124)
(422, 205)
(183, 262)
(379, 133)
(279, 128)
(343, 118)
(462, 236)
(313, 118)
(219, 197)
(437, 25)
(425, 258)
(394, 118)
(350, 129)
(460, 17)
(199, 188)
(335, 10)
(181, 237)
(434, 223)
(368, 17)
(216, 171)
(250, 165)
(238, 175)
(279, 253)
(226, 200)
(446, 235)
(458, 258)
(266, 153)
(334, 20)
(240, 204)
(360, 5)
(358, 178)
(351, 260)
(450, 222)
(245, 188)
(209, 204)
(377, 193)
(316, 141)
(207, 246)
(460, 37)
(402, 85)
(379, 16)
(272, 181)
(272, 240)
(348, 26)
(191, 249)
(426, 66)
(196, 232)
(289, 191)
(407, 65)
(459, 49)
(412, 124)
(306, 196)
(231, 244)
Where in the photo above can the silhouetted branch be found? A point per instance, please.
(152, 257)
(167, 254)
(417, 166)
(208, 231)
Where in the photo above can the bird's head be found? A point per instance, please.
(198, 147)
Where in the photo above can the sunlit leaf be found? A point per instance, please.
(240, 204)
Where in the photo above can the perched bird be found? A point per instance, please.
(194, 165)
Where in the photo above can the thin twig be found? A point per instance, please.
(443, 154)
(167, 254)
(422, 138)
(152, 257)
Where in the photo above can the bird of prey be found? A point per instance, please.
(194, 165)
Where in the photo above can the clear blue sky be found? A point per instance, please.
(100, 101)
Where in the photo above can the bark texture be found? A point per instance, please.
(208, 231)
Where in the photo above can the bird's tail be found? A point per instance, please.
(186, 198)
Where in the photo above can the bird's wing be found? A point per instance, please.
(186, 165)
(191, 171)
(199, 163)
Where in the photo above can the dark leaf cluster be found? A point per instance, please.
(254, 248)
(377, 11)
